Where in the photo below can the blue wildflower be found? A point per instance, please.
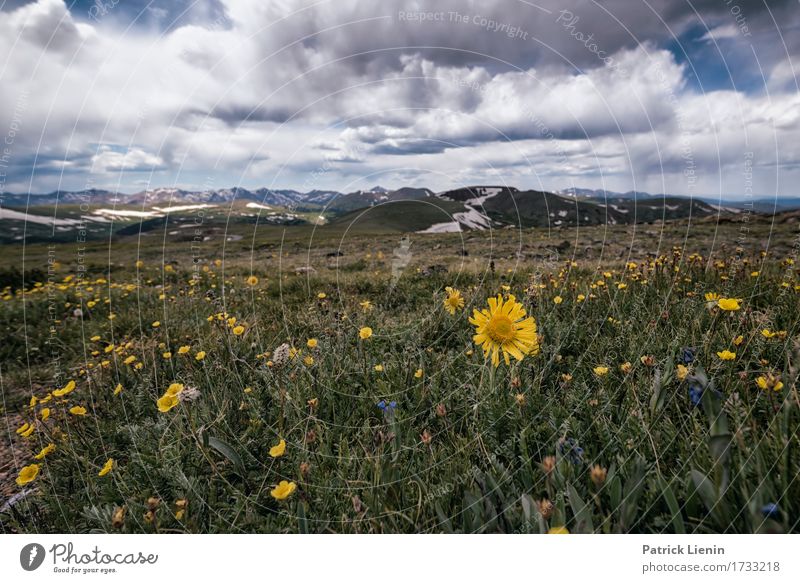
(688, 355)
(387, 408)
(695, 394)
(571, 450)
(770, 510)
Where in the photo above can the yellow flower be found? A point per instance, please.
(45, 413)
(557, 300)
(167, 355)
(366, 305)
(252, 280)
(78, 410)
(156, 324)
(45, 450)
(200, 355)
(558, 530)
(283, 490)
(183, 350)
(174, 389)
(378, 368)
(322, 295)
(94, 338)
(726, 355)
(626, 367)
(711, 299)
(66, 389)
(308, 360)
(167, 402)
(683, 372)
(769, 381)
(312, 343)
(109, 465)
(729, 304)
(129, 360)
(238, 330)
(118, 389)
(504, 327)
(365, 333)
(27, 474)
(738, 340)
(622, 286)
(600, 370)
(453, 301)
(180, 506)
(278, 450)
(418, 374)
(581, 297)
(767, 334)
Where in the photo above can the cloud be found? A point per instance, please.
(108, 159)
(263, 93)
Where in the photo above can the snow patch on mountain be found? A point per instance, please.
(9, 214)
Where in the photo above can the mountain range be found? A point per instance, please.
(406, 209)
(334, 201)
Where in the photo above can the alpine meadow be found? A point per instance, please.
(399, 268)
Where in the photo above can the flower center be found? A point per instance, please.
(500, 328)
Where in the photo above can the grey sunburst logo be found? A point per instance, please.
(31, 556)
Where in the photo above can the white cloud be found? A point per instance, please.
(133, 160)
(253, 98)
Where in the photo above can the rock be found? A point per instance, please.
(433, 269)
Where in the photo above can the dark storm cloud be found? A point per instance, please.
(236, 114)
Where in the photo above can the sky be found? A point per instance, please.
(663, 96)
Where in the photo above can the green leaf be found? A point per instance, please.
(582, 512)
(630, 501)
(615, 492)
(672, 504)
(302, 522)
(444, 521)
(229, 453)
(705, 489)
(657, 398)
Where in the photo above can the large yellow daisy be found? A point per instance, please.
(504, 327)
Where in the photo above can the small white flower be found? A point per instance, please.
(281, 355)
(189, 394)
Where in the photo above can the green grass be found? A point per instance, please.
(671, 466)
